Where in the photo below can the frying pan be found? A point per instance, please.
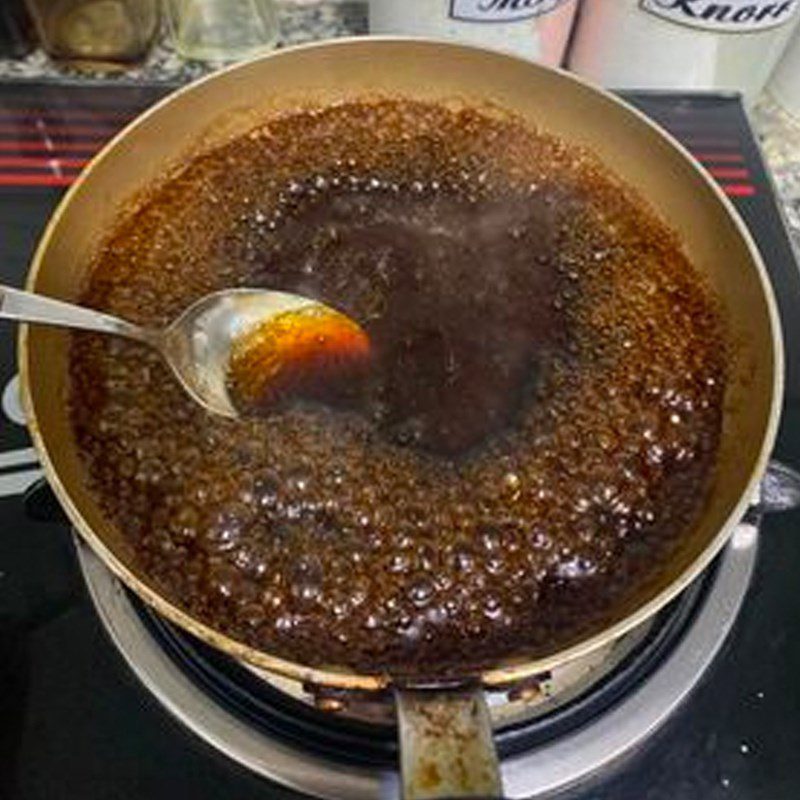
(445, 741)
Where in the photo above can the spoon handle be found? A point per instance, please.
(29, 307)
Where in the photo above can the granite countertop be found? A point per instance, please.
(779, 134)
(300, 21)
(310, 20)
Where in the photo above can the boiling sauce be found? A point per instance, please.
(536, 429)
(313, 353)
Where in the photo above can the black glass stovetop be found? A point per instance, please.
(75, 722)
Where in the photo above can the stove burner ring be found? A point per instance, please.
(272, 711)
(341, 758)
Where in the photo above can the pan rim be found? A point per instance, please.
(512, 669)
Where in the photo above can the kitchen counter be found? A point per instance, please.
(779, 134)
(300, 21)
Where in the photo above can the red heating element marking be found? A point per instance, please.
(39, 127)
(729, 173)
(50, 161)
(23, 179)
(103, 117)
(16, 146)
(718, 158)
(711, 142)
(719, 154)
(51, 148)
(739, 189)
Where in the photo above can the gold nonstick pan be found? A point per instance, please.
(445, 723)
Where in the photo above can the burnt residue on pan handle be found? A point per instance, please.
(446, 745)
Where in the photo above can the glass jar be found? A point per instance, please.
(102, 32)
(221, 31)
(16, 34)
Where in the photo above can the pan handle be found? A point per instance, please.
(446, 745)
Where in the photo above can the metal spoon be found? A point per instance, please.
(196, 345)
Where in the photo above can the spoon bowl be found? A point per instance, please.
(197, 344)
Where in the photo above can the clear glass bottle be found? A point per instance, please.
(221, 31)
(16, 34)
(104, 33)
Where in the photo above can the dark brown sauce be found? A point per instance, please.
(536, 431)
(311, 354)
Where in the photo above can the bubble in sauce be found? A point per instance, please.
(546, 369)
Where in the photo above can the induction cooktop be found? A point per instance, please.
(76, 721)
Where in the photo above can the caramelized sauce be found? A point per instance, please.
(313, 353)
(536, 432)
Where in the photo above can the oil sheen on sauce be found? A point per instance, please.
(535, 433)
(312, 353)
